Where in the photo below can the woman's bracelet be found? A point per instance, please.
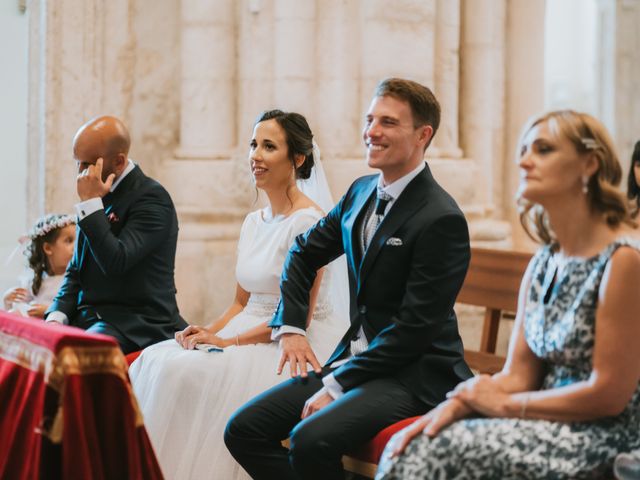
(523, 406)
(237, 340)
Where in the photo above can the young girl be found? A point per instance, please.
(49, 250)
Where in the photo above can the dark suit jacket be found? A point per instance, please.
(123, 265)
(402, 291)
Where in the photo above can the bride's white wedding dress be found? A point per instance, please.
(187, 396)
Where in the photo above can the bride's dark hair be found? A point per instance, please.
(299, 138)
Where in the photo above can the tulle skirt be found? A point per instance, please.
(187, 396)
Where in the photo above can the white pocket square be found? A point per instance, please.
(394, 242)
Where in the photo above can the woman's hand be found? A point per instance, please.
(16, 294)
(194, 335)
(182, 336)
(431, 424)
(37, 310)
(483, 395)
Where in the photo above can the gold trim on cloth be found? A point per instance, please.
(56, 368)
(85, 361)
(26, 354)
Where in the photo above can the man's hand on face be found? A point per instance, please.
(90, 184)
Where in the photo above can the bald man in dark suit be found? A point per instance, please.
(120, 281)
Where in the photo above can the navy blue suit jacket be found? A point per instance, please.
(123, 264)
(402, 291)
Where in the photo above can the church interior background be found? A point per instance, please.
(189, 77)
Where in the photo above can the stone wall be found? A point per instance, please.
(190, 76)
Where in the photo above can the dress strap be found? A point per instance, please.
(625, 241)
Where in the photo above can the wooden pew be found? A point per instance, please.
(492, 282)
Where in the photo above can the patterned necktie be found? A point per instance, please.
(375, 217)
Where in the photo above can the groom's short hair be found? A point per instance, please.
(425, 108)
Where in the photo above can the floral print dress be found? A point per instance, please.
(559, 329)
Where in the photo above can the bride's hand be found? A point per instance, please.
(205, 336)
(193, 335)
(182, 335)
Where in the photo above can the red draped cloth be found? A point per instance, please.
(66, 406)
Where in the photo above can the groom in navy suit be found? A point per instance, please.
(407, 248)
(120, 281)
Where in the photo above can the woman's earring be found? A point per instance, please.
(585, 184)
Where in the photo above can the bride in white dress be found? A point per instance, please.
(186, 395)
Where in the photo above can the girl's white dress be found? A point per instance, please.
(48, 290)
(187, 396)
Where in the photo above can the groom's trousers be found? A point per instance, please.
(255, 432)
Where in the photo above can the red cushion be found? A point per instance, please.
(130, 358)
(372, 451)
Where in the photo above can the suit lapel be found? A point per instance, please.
(125, 188)
(410, 200)
(353, 222)
(127, 184)
(107, 202)
(81, 247)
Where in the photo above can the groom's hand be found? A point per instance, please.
(296, 350)
(316, 402)
(90, 184)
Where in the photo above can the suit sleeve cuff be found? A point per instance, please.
(277, 332)
(57, 317)
(86, 208)
(333, 387)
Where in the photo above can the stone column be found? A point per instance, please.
(208, 175)
(397, 40)
(627, 72)
(338, 118)
(338, 109)
(447, 76)
(255, 65)
(208, 107)
(482, 96)
(482, 112)
(525, 92)
(294, 60)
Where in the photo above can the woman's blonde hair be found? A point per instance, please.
(589, 136)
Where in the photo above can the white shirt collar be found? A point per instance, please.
(130, 166)
(396, 188)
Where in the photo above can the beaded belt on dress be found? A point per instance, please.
(265, 304)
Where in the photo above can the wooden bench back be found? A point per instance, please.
(493, 282)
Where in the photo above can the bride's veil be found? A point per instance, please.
(316, 188)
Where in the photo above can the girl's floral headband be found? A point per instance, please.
(47, 224)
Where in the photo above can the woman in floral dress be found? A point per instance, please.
(568, 399)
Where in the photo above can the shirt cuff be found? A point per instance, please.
(276, 333)
(57, 317)
(86, 208)
(333, 387)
